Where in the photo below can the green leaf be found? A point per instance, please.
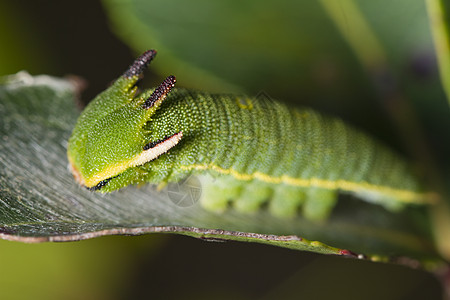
(229, 46)
(439, 12)
(40, 201)
(295, 51)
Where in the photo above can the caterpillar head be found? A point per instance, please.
(109, 137)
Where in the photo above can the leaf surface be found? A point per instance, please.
(40, 201)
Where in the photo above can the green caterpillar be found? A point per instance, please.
(259, 150)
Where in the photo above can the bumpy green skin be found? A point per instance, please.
(232, 137)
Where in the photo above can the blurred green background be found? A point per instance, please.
(74, 38)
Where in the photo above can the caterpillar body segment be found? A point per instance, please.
(259, 152)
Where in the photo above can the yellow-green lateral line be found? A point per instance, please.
(401, 195)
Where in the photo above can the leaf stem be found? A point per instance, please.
(438, 12)
(370, 52)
